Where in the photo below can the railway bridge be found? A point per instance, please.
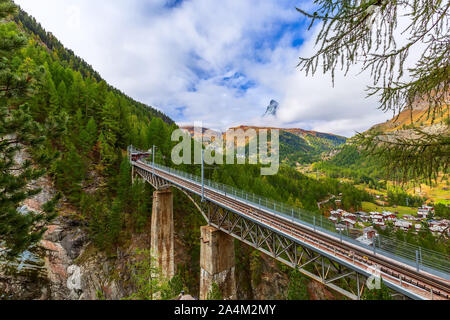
(292, 236)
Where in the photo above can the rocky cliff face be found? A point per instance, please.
(71, 268)
(66, 265)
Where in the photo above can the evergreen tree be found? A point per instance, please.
(100, 99)
(124, 183)
(107, 153)
(88, 135)
(378, 294)
(50, 93)
(110, 115)
(62, 94)
(146, 276)
(76, 94)
(90, 87)
(297, 289)
(115, 222)
(18, 231)
(157, 135)
(69, 173)
(173, 288)
(214, 293)
(141, 209)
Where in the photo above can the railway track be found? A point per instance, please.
(421, 283)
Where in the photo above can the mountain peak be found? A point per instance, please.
(272, 108)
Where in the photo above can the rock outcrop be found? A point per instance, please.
(272, 108)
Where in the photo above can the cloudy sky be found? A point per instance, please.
(220, 62)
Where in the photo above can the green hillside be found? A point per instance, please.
(354, 164)
(306, 148)
(78, 120)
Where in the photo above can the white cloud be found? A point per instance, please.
(176, 58)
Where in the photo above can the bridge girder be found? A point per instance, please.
(157, 182)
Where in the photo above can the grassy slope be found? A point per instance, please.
(368, 207)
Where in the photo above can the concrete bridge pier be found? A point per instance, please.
(162, 231)
(217, 263)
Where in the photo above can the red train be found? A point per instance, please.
(135, 156)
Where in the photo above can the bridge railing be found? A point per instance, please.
(413, 255)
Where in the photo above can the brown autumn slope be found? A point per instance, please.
(419, 115)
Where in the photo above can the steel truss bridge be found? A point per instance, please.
(337, 261)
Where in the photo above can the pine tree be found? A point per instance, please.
(90, 87)
(62, 94)
(146, 276)
(140, 207)
(124, 183)
(108, 155)
(214, 293)
(69, 173)
(297, 289)
(18, 231)
(88, 135)
(76, 95)
(50, 92)
(100, 99)
(110, 115)
(378, 294)
(114, 222)
(157, 135)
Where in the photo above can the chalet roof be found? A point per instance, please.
(403, 223)
(349, 221)
(437, 228)
(182, 296)
(348, 214)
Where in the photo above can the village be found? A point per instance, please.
(368, 221)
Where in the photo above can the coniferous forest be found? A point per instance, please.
(88, 126)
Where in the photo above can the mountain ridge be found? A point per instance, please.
(296, 145)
